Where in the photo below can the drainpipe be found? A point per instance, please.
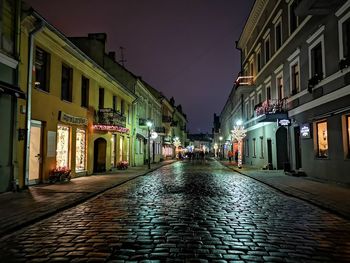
(32, 34)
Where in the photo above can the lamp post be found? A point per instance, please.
(149, 125)
(222, 147)
(238, 133)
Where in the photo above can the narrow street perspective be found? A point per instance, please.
(185, 212)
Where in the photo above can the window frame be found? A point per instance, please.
(47, 70)
(312, 45)
(293, 63)
(85, 103)
(289, 17)
(70, 83)
(267, 39)
(258, 60)
(254, 148)
(340, 35)
(278, 23)
(101, 99)
(279, 76)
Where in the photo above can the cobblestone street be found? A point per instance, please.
(185, 213)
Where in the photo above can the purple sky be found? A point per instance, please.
(183, 48)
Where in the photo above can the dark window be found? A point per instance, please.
(267, 50)
(316, 60)
(247, 148)
(280, 88)
(101, 98)
(84, 92)
(115, 103)
(259, 98)
(346, 38)
(122, 107)
(42, 69)
(293, 19)
(66, 84)
(258, 59)
(278, 35)
(268, 93)
(254, 148)
(295, 79)
(348, 134)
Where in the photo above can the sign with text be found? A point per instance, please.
(284, 122)
(66, 118)
(305, 131)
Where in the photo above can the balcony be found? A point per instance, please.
(108, 116)
(160, 130)
(271, 110)
(245, 81)
(167, 119)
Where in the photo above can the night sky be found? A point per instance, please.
(183, 48)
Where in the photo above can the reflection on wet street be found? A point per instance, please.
(186, 212)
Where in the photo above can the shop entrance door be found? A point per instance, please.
(35, 152)
(269, 153)
(297, 148)
(100, 146)
(281, 144)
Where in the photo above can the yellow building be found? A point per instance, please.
(77, 115)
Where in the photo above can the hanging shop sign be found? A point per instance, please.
(305, 131)
(110, 128)
(69, 119)
(284, 122)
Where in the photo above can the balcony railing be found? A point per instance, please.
(167, 119)
(245, 81)
(271, 107)
(160, 130)
(108, 116)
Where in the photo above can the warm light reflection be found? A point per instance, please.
(322, 139)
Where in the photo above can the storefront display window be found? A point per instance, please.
(121, 141)
(80, 157)
(322, 140)
(62, 154)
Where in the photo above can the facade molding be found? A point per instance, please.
(342, 9)
(8, 61)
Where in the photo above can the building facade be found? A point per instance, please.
(295, 63)
(78, 115)
(10, 93)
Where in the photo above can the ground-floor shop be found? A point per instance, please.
(320, 137)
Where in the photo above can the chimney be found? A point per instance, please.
(111, 54)
(98, 36)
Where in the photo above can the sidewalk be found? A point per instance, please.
(38, 202)
(332, 197)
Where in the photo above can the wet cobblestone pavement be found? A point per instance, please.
(185, 213)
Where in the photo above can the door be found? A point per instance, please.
(100, 147)
(269, 153)
(282, 151)
(35, 152)
(297, 148)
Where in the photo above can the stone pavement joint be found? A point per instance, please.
(21, 209)
(331, 197)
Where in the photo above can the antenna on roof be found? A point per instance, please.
(122, 59)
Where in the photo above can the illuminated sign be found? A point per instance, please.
(154, 135)
(66, 118)
(305, 131)
(110, 128)
(284, 122)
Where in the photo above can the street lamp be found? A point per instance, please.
(222, 147)
(238, 133)
(149, 125)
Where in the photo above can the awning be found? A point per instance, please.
(11, 90)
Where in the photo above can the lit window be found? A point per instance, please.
(322, 139)
(113, 150)
(80, 157)
(62, 152)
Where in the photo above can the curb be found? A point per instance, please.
(47, 214)
(316, 203)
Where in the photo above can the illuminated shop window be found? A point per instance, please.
(80, 147)
(62, 153)
(121, 141)
(113, 150)
(348, 133)
(322, 139)
(127, 149)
